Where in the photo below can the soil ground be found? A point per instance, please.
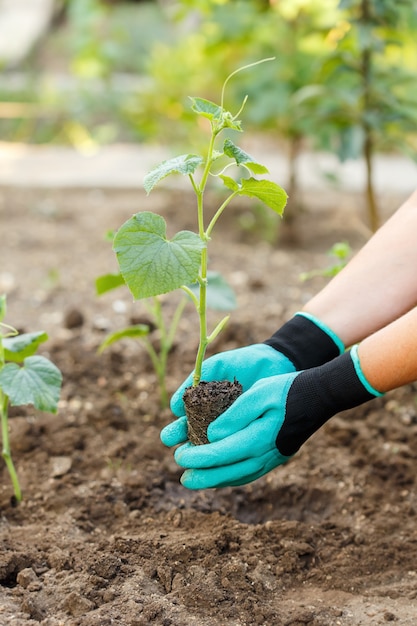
(106, 534)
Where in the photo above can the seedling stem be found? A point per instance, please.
(152, 264)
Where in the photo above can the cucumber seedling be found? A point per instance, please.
(152, 264)
(25, 378)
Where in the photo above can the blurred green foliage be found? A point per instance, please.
(370, 99)
(220, 36)
(112, 71)
(76, 86)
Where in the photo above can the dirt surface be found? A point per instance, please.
(106, 534)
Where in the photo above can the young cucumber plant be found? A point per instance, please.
(25, 378)
(150, 263)
(158, 344)
(339, 253)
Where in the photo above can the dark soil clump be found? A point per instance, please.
(205, 402)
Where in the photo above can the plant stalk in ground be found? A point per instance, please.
(25, 378)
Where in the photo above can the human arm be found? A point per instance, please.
(378, 285)
(268, 424)
(389, 356)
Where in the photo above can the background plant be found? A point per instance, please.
(25, 378)
(113, 59)
(344, 80)
(369, 100)
(77, 85)
(220, 297)
(339, 254)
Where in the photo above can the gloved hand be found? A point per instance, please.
(268, 423)
(301, 343)
(247, 365)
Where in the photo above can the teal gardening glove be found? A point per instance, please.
(301, 343)
(268, 423)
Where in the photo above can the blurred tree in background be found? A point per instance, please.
(369, 100)
(344, 78)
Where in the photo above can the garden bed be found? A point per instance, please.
(106, 534)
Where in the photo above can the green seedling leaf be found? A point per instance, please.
(185, 164)
(130, 332)
(150, 263)
(220, 296)
(207, 109)
(230, 122)
(243, 158)
(268, 192)
(109, 235)
(21, 346)
(2, 307)
(217, 155)
(37, 382)
(108, 282)
(230, 183)
(218, 116)
(341, 250)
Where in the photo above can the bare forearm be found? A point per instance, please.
(378, 285)
(389, 357)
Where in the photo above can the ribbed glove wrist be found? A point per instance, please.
(306, 341)
(319, 393)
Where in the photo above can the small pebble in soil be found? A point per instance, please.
(25, 577)
(60, 465)
(73, 319)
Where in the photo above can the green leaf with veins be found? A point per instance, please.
(184, 164)
(219, 117)
(230, 122)
(37, 382)
(21, 346)
(268, 192)
(230, 183)
(243, 158)
(130, 332)
(207, 109)
(150, 263)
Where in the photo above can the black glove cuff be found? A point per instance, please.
(304, 343)
(315, 396)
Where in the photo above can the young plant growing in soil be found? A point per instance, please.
(158, 334)
(152, 264)
(25, 378)
(339, 253)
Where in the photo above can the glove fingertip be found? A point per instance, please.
(176, 404)
(187, 479)
(177, 409)
(174, 433)
(181, 452)
(190, 480)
